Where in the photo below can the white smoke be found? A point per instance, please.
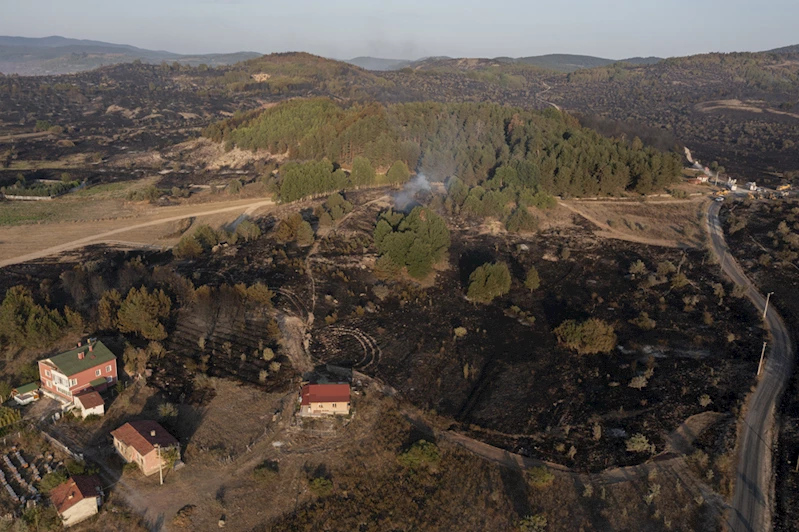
(405, 197)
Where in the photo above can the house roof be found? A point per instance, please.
(99, 381)
(74, 490)
(90, 400)
(325, 393)
(70, 363)
(139, 435)
(25, 388)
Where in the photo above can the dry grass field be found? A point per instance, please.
(669, 223)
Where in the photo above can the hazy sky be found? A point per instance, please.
(410, 29)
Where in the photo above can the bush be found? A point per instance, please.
(320, 486)
(489, 281)
(266, 472)
(644, 322)
(540, 477)
(532, 523)
(589, 337)
(420, 454)
(533, 280)
(52, 480)
(639, 443)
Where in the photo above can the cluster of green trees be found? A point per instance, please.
(25, 323)
(333, 209)
(489, 281)
(142, 312)
(548, 151)
(37, 188)
(295, 229)
(301, 180)
(587, 337)
(415, 241)
(205, 237)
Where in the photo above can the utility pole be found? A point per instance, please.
(161, 464)
(766, 308)
(762, 354)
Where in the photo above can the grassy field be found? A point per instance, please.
(674, 223)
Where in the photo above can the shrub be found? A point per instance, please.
(644, 322)
(489, 281)
(420, 454)
(638, 443)
(532, 523)
(533, 280)
(540, 477)
(320, 486)
(52, 480)
(589, 337)
(267, 471)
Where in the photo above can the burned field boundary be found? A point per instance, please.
(684, 344)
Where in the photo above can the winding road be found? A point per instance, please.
(753, 499)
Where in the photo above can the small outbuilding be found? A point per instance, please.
(26, 394)
(90, 403)
(325, 399)
(77, 499)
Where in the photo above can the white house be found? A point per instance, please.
(90, 403)
(77, 499)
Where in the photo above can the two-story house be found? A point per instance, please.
(90, 365)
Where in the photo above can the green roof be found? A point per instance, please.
(99, 381)
(69, 364)
(25, 388)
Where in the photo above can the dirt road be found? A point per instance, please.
(753, 498)
(162, 216)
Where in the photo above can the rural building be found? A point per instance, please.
(26, 394)
(77, 499)
(752, 185)
(325, 399)
(89, 403)
(87, 366)
(143, 443)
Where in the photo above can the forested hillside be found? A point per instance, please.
(547, 150)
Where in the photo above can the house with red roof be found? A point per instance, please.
(145, 443)
(89, 403)
(325, 399)
(77, 499)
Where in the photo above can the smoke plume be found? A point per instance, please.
(404, 199)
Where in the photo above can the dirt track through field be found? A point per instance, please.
(35, 235)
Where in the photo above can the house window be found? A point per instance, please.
(107, 369)
(47, 372)
(97, 373)
(73, 382)
(48, 384)
(334, 405)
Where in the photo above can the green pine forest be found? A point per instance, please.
(491, 145)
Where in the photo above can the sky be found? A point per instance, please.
(411, 29)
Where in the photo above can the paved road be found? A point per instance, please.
(752, 500)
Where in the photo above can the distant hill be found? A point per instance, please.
(558, 62)
(570, 63)
(60, 55)
(794, 49)
(378, 63)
